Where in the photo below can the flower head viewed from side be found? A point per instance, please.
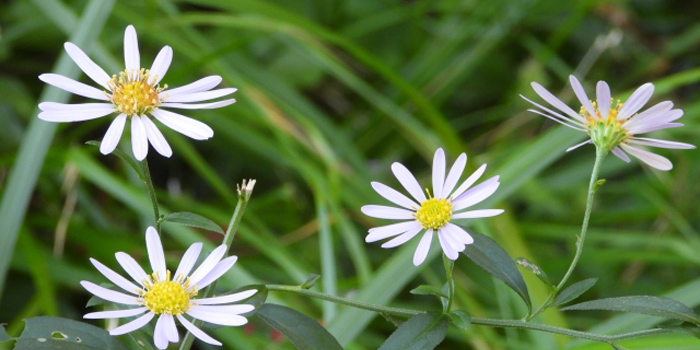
(613, 127)
(135, 94)
(434, 213)
(170, 298)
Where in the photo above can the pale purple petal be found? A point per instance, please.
(554, 101)
(139, 140)
(197, 332)
(579, 145)
(402, 238)
(132, 59)
(423, 248)
(225, 299)
(161, 64)
(131, 267)
(156, 138)
(221, 268)
(482, 213)
(382, 232)
(408, 181)
(185, 125)
(79, 112)
(109, 295)
(209, 105)
(569, 122)
(476, 194)
(160, 337)
(652, 159)
(449, 251)
(169, 328)
(115, 313)
(187, 262)
(155, 252)
(394, 196)
(654, 127)
(208, 264)
(638, 99)
(557, 117)
(384, 212)
(454, 175)
(581, 95)
(200, 96)
(115, 278)
(113, 134)
(458, 233)
(603, 98)
(90, 68)
(659, 143)
(474, 177)
(438, 172)
(651, 114)
(453, 240)
(203, 84)
(133, 325)
(619, 153)
(73, 86)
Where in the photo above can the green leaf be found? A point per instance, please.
(51, 333)
(641, 304)
(425, 289)
(310, 281)
(127, 158)
(460, 318)
(617, 347)
(486, 253)
(193, 220)
(574, 291)
(304, 332)
(536, 270)
(421, 332)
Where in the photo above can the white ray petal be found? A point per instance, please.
(453, 240)
(554, 101)
(653, 127)
(454, 175)
(438, 172)
(557, 117)
(109, 295)
(208, 105)
(155, 252)
(225, 299)
(394, 196)
(197, 332)
(449, 251)
(73, 107)
(652, 159)
(185, 125)
(113, 134)
(474, 177)
(203, 84)
(619, 153)
(115, 278)
(132, 59)
(384, 212)
(235, 309)
(659, 143)
(476, 194)
(115, 313)
(161, 64)
(459, 233)
(218, 317)
(170, 328)
(408, 181)
(200, 96)
(160, 336)
(208, 264)
(423, 248)
(382, 232)
(156, 138)
(132, 268)
(603, 97)
(579, 145)
(581, 95)
(482, 213)
(84, 112)
(139, 139)
(73, 86)
(579, 128)
(90, 68)
(219, 269)
(650, 114)
(402, 238)
(638, 99)
(188, 260)
(133, 325)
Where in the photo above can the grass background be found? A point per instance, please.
(330, 94)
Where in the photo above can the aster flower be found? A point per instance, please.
(158, 294)
(435, 213)
(135, 94)
(613, 128)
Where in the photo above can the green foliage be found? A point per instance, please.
(53, 333)
(304, 332)
(193, 220)
(573, 291)
(642, 304)
(421, 332)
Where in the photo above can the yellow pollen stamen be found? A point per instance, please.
(168, 297)
(434, 213)
(606, 132)
(134, 93)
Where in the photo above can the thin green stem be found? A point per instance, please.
(449, 267)
(592, 187)
(151, 191)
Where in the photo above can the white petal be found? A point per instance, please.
(155, 252)
(169, 328)
(652, 159)
(200, 96)
(394, 196)
(472, 214)
(161, 64)
(188, 260)
(156, 138)
(184, 125)
(402, 238)
(469, 181)
(133, 325)
(554, 101)
(139, 140)
(209, 105)
(650, 114)
(208, 264)
(115, 278)
(653, 127)
(579, 145)
(603, 98)
(90, 68)
(81, 112)
(73, 86)
(115, 313)
(221, 268)
(659, 143)
(458, 234)
(568, 122)
(160, 334)
(619, 153)
(382, 232)
(559, 118)
(109, 295)
(225, 299)
(132, 59)
(423, 248)
(131, 267)
(438, 172)
(449, 251)
(218, 317)
(476, 194)
(408, 181)
(581, 95)
(197, 332)
(454, 175)
(638, 99)
(203, 84)
(113, 134)
(235, 309)
(73, 107)
(453, 240)
(383, 212)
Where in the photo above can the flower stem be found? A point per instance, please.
(592, 187)
(151, 191)
(244, 193)
(449, 267)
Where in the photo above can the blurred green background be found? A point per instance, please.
(330, 94)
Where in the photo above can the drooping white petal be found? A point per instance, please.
(554, 101)
(86, 111)
(603, 98)
(217, 316)
(200, 96)
(115, 278)
(131, 267)
(155, 252)
(115, 313)
(476, 194)
(438, 172)
(568, 122)
(197, 332)
(619, 153)
(384, 212)
(160, 337)
(423, 248)
(659, 143)
(203, 84)
(579, 145)
(219, 269)
(156, 138)
(188, 260)
(581, 95)
(132, 59)
(454, 175)
(170, 328)
(208, 105)
(394, 196)
(469, 181)
(225, 299)
(652, 159)
(638, 99)
(113, 134)
(161, 64)
(73, 86)
(108, 294)
(408, 181)
(472, 214)
(402, 238)
(185, 125)
(133, 325)
(459, 233)
(449, 251)
(208, 264)
(90, 68)
(139, 139)
(382, 232)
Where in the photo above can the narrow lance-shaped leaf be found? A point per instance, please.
(426, 289)
(486, 253)
(193, 220)
(50, 333)
(574, 291)
(421, 332)
(641, 304)
(460, 318)
(304, 332)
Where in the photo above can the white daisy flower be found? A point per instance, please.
(433, 214)
(614, 128)
(134, 93)
(158, 294)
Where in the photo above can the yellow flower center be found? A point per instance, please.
(168, 297)
(134, 94)
(434, 213)
(607, 133)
